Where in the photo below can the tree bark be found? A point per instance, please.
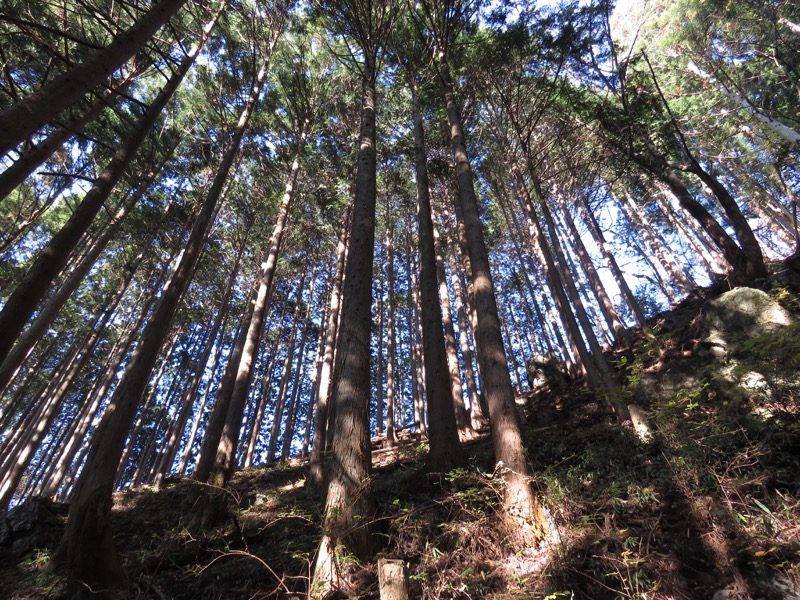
(445, 447)
(451, 349)
(521, 507)
(391, 345)
(392, 579)
(477, 416)
(319, 443)
(350, 505)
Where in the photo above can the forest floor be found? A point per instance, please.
(706, 507)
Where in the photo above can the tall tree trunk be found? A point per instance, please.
(274, 433)
(555, 282)
(609, 310)
(451, 349)
(312, 397)
(677, 276)
(526, 264)
(735, 255)
(258, 419)
(299, 377)
(349, 505)
(145, 408)
(599, 237)
(171, 448)
(87, 549)
(225, 460)
(445, 447)
(204, 464)
(200, 412)
(23, 119)
(391, 345)
(755, 267)
(478, 418)
(705, 254)
(414, 341)
(521, 507)
(786, 132)
(607, 378)
(379, 368)
(319, 443)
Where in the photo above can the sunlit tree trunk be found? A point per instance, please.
(414, 340)
(520, 504)
(54, 395)
(312, 397)
(736, 256)
(526, 266)
(648, 252)
(784, 131)
(755, 267)
(210, 388)
(555, 282)
(658, 247)
(349, 503)
(147, 405)
(607, 379)
(672, 212)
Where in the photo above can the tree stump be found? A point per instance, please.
(392, 579)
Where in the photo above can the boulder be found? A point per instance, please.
(546, 370)
(737, 316)
(30, 525)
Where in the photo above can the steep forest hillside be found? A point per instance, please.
(704, 505)
(481, 298)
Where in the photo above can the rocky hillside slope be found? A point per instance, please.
(699, 501)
